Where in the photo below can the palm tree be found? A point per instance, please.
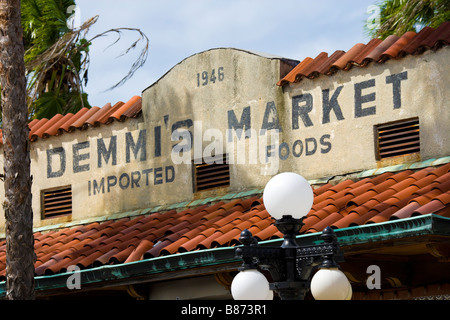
(53, 81)
(56, 59)
(17, 179)
(400, 16)
(55, 75)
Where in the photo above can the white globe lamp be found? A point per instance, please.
(250, 285)
(330, 284)
(287, 194)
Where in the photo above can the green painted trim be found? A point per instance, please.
(429, 224)
(138, 269)
(400, 167)
(398, 229)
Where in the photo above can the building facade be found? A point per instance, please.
(147, 198)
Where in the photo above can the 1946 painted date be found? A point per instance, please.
(204, 78)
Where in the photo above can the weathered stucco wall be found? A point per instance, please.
(205, 94)
(343, 109)
(126, 166)
(226, 97)
(325, 126)
(105, 174)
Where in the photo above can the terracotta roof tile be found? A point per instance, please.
(83, 119)
(81, 123)
(431, 207)
(393, 50)
(139, 251)
(345, 222)
(444, 198)
(135, 103)
(328, 221)
(36, 126)
(292, 76)
(68, 126)
(130, 111)
(406, 211)
(106, 116)
(309, 221)
(441, 184)
(55, 129)
(344, 62)
(376, 51)
(360, 58)
(33, 123)
(318, 191)
(41, 130)
(271, 232)
(93, 117)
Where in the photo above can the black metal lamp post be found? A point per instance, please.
(290, 265)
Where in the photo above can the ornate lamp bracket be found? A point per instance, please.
(289, 265)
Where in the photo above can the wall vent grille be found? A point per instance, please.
(56, 202)
(212, 175)
(398, 138)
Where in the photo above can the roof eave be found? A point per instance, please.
(223, 259)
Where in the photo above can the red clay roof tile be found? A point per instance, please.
(345, 61)
(328, 221)
(134, 103)
(83, 119)
(376, 53)
(119, 257)
(406, 211)
(393, 51)
(68, 125)
(309, 221)
(317, 192)
(271, 232)
(37, 125)
(361, 58)
(431, 207)
(93, 120)
(80, 122)
(33, 123)
(444, 198)
(107, 115)
(363, 198)
(39, 132)
(442, 184)
(139, 251)
(55, 129)
(376, 50)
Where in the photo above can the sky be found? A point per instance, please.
(177, 29)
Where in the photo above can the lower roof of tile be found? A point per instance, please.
(218, 222)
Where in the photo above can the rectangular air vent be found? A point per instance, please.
(56, 202)
(398, 138)
(213, 175)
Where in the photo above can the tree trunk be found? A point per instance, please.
(17, 204)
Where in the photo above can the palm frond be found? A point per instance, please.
(400, 16)
(68, 58)
(141, 59)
